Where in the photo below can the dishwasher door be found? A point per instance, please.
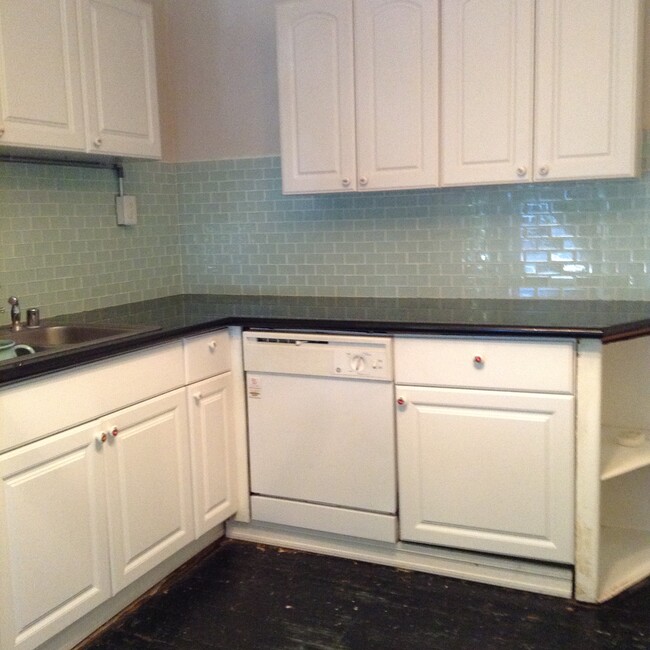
(321, 431)
(325, 440)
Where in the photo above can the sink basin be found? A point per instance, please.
(52, 336)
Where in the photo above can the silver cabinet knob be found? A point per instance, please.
(521, 171)
(543, 171)
(363, 181)
(345, 182)
(198, 397)
(98, 142)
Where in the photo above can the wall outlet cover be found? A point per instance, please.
(127, 210)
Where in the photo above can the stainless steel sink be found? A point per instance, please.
(54, 336)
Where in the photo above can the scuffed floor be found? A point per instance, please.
(245, 596)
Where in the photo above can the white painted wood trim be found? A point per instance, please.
(588, 424)
(240, 425)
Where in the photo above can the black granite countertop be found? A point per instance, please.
(192, 313)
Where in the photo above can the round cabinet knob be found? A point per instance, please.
(479, 360)
(521, 171)
(97, 142)
(543, 171)
(345, 182)
(212, 345)
(401, 401)
(2, 131)
(363, 181)
(114, 432)
(198, 397)
(101, 438)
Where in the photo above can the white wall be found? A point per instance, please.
(217, 79)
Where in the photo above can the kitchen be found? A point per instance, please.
(212, 218)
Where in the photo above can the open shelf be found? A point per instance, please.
(617, 459)
(624, 559)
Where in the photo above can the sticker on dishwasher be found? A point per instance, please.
(254, 387)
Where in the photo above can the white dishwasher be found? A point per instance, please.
(321, 429)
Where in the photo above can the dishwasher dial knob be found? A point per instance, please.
(357, 363)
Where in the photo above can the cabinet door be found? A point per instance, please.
(54, 557)
(487, 98)
(40, 89)
(316, 93)
(586, 94)
(212, 443)
(149, 489)
(118, 63)
(487, 470)
(396, 85)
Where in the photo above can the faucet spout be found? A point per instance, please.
(15, 314)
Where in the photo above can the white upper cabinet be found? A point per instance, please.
(358, 94)
(119, 69)
(40, 84)
(587, 88)
(487, 90)
(580, 61)
(79, 75)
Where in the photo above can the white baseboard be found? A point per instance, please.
(525, 575)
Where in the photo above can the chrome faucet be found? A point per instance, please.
(15, 314)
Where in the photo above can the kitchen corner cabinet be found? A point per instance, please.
(539, 90)
(79, 76)
(485, 441)
(212, 428)
(358, 90)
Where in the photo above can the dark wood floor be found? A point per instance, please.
(245, 596)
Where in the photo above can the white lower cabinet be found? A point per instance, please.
(213, 453)
(486, 444)
(86, 510)
(89, 510)
(54, 531)
(148, 482)
(489, 471)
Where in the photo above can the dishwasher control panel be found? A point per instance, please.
(359, 362)
(319, 355)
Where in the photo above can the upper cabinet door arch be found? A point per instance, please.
(358, 94)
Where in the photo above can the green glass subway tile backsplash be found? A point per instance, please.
(61, 248)
(239, 234)
(225, 227)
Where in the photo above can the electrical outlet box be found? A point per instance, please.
(127, 210)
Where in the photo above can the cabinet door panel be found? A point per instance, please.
(54, 556)
(149, 496)
(486, 470)
(487, 98)
(120, 73)
(396, 79)
(586, 88)
(316, 92)
(213, 462)
(40, 88)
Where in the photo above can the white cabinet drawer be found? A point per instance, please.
(512, 364)
(206, 355)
